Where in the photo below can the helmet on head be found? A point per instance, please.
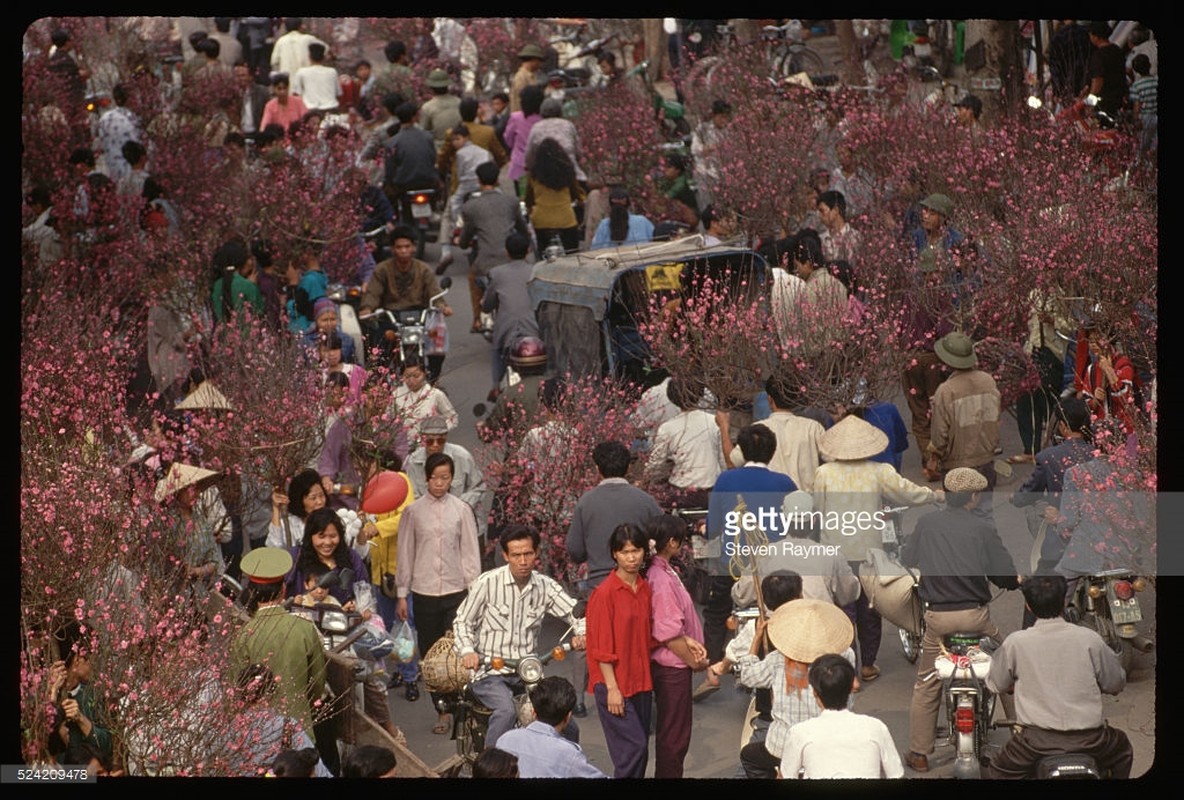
(528, 352)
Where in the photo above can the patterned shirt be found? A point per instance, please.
(499, 618)
(1145, 92)
(841, 246)
(789, 708)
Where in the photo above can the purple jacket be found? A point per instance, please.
(517, 132)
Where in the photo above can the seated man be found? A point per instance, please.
(516, 597)
(402, 282)
(1058, 672)
(838, 743)
(541, 748)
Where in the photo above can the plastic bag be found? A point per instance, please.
(404, 639)
(375, 643)
(437, 333)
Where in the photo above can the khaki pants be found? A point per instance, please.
(927, 689)
(919, 381)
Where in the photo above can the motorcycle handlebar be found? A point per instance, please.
(513, 663)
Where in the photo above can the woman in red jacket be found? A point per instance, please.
(619, 643)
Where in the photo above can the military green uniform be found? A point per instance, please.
(291, 647)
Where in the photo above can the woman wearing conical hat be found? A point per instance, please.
(850, 491)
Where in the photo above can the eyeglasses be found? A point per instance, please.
(434, 439)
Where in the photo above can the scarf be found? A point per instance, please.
(797, 675)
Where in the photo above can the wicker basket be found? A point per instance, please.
(441, 667)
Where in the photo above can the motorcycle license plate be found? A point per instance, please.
(421, 211)
(1123, 612)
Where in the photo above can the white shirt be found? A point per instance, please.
(290, 52)
(787, 288)
(46, 239)
(841, 744)
(797, 447)
(692, 441)
(790, 708)
(411, 408)
(317, 86)
(654, 408)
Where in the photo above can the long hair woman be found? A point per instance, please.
(552, 193)
(621, 226)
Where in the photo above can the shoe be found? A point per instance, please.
(444, 725)
(445, 262)
(396, 681)
(1023, 458)
(703, 690)
(917, 762)
(869, 673)
(580, 710)
(411, 692)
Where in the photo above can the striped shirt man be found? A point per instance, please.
(1145, 92)
(499, 618)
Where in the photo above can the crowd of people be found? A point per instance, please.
(417, 520)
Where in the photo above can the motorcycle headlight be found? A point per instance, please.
(531, 670)
(334, 622)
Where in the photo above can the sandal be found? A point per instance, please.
(443, 724)
(1023, 458)
(869, 673)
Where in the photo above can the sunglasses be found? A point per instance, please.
(434, 439)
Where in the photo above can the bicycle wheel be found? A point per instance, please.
(801, 59)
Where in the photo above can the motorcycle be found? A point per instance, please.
(910, 636)
(348, 299)
(963, 665)
(417, 211)
(470, 718)
(1108, 603)
(410, 333)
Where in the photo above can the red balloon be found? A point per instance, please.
(385, 492)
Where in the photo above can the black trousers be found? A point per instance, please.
(433, 617)
(716, 610)
(1017, 759)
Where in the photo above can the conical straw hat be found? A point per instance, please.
(205, 396)
(180, 476)
(852, 439)
(806, 629)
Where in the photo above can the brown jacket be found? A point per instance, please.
(965, 429)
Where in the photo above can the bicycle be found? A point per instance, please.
(785, 55)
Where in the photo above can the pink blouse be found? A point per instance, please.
(674, 612)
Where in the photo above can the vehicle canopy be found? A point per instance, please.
(588, 304)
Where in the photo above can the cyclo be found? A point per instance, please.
(590, 305)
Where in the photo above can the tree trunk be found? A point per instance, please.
(850, 69)
(655, 47)
(1011, 64)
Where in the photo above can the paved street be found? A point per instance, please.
(718, 718)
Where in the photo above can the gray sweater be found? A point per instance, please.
(612, 502)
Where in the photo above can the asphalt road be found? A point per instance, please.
(719, 717)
